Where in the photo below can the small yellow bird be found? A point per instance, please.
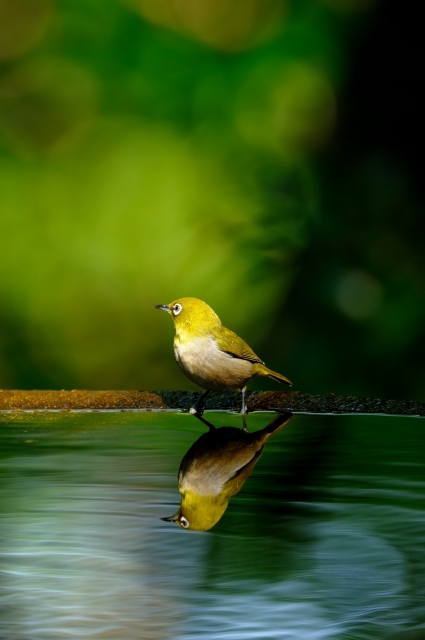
(210, 355)
(215, 469)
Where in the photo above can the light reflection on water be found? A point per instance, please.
(326, 539)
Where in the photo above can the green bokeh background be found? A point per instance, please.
(232, 151)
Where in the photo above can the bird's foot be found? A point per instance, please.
(197, 410)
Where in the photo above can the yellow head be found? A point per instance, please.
(192, 317)
(198, 512)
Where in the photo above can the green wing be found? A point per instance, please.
(230, 343)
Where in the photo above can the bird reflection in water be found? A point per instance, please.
(215, 469)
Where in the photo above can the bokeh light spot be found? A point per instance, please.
(358, 294)
(46, 105)
(290, 109)
(228, 25)
(22, 24)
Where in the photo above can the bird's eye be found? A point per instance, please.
(184, 523)
(176, 309)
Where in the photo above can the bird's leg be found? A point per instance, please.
(210, 426)
(245, 428)
(197, 409)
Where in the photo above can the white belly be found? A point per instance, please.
(203, 363)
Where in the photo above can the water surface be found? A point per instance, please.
(325, 540)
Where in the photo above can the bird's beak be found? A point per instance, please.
(171, 518)
(163, 307)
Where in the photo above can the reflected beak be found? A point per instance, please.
(163, 307)
(171, 518)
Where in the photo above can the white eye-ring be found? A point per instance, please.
(184, 523)
(177, 309)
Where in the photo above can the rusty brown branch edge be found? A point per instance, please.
(79, 400)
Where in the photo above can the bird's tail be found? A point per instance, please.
(278, 377)
(273, 427)
(262, 370)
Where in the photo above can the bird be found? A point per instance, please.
(215, 469)
(210, 355)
